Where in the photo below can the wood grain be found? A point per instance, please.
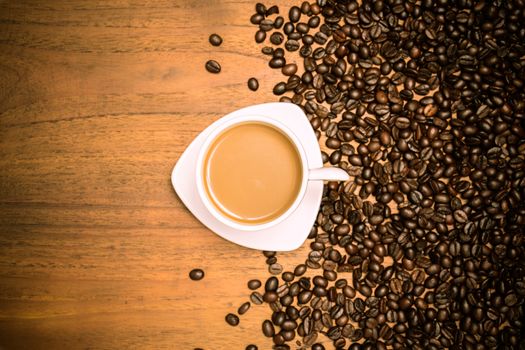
(98, 99)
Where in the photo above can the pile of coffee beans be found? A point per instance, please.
(422, 103)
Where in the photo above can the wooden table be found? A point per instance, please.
(98, 99)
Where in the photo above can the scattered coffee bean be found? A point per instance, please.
(299, 270)
(253, 84)
(275, 269)
(277, 62)
(278, 23)
(291, 45)
(294, 14)
(256, 298)
(243, 308)
(254, 284)
(232, 320)
(215, 40)
(196, 274)
(272, 10)
(268, 329)
(213, 66)
(276, 38)
(289, 69)
(260, 9)
(260, 36)
(279, 88)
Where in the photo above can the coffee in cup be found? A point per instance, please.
(252, 173)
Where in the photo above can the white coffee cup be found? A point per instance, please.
(317, 174)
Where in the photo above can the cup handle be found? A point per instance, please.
(328, 174)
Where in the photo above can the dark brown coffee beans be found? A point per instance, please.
(254, 284)
(272, 10)
(256, 298)
(196, 274)
(215, 40)
(421, 104)
(276, 38)
(260, 36)
(279, 88)
(289, 69)
(213, 67)
(294, 14)
(275, 269)
(244, 308)
(253, 84)
(268, 329)
(232, 320)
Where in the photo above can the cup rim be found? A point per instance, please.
(200, 165)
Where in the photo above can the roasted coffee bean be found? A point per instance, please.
(271, 284)
(291, 45)
(196, 274)
(213, 66)
(271, 260)
(254, 284)
(256, 18)
(243, 308)
(288, 28)
(278, 318)
(460, 216)
(289, 325)
(279, 340)
(305, 50)
(260, 35)
(256, 298)
(252, 347)
(253, 84)
(314, 21)
(232, 319)
(288, 276)
(270, 297)
(268, 329)
(267, 50)
(278, 23)
(272, 10)
(289, 69)
(279, 88)
(215, 40)
(277, 62)
(260, 9)
(302, 28)
(276, 38)
(402, 122)
(275, 269)
(300, 270)
(294, 14)
(283, 290)
(304, 297)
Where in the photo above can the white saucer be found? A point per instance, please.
(290, 233)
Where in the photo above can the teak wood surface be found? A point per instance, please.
(98, 100)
